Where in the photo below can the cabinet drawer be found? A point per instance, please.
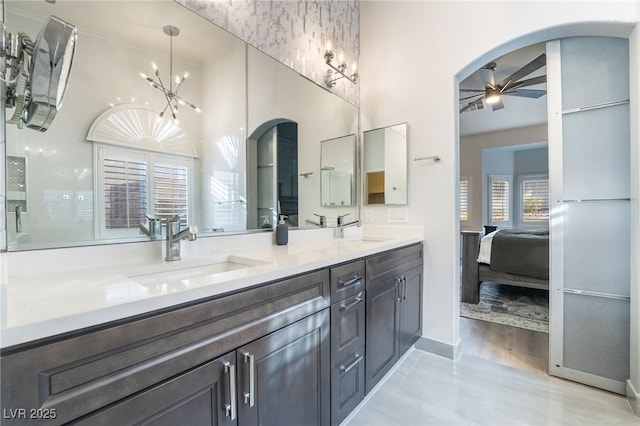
(347, 280)
(347, 383)
(84, 373)
(348, 324)
(391, 263)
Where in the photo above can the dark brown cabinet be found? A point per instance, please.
(203, 396)
(284, 377)
(280, 379)
(347, 338)
(393, 309)
(176, 367)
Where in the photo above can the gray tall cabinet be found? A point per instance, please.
(589, 146)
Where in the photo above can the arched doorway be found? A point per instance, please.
(558, 366)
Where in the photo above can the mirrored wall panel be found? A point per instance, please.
(161, 117)
(385, 165)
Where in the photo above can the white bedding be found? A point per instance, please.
(484, 255)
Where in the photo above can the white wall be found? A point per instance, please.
(412, 55)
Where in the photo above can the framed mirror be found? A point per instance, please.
(338, 171)
(385, 165)
(196, 167)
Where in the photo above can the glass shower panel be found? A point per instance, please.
(597, 247)
(596, 153)
(596, 334)
(595, 70)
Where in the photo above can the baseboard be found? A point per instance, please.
(633, 397)
(439, 348)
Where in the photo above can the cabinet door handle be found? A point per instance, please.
(352, 281)
(231, 407)
(349, 367)
(399, 289)
(352, 304)
(404, 280)
(249, 397)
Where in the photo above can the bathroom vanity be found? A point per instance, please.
(301, 348)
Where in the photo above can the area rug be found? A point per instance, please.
(513, 306)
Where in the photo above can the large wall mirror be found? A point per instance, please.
(109, 159)
(385, 165)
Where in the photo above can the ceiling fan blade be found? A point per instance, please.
(498, 105)
(526, 93)
(487, 77)
(473, 106)
(532, 66)
(472, 96)
(472, 90)
(530, 82)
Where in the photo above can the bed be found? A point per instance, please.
(513, 257)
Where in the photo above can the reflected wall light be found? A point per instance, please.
(170, 92)
(336, 72)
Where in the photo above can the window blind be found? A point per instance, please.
(125, 192)
(171, 192)
(464, 199)
(535, 200)
(500, 199)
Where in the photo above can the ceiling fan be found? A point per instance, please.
(512, 86)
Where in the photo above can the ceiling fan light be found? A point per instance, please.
(492, 97)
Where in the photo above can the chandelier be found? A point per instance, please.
(170, 92)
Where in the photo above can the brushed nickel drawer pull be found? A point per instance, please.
(352, 304)
(231, 408)
(249, 397)
(352, 281)
(349, 367)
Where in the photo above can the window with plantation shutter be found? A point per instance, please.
(171, 192)
(534, 199)
(132, 184)
(465, 215)
(499, 200)
(124, 192)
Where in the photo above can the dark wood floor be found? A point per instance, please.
(512, 346)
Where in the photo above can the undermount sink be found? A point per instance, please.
(190, 269)
(365, 239)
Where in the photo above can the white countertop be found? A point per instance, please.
(43, 301)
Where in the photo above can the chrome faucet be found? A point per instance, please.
(342, 225)
(153, 230)
(175, 235)
(321, 223)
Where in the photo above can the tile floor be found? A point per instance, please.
(425, 389)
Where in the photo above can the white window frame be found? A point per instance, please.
(521, 182)
(509, 201)
(102, 151)
(468, 180)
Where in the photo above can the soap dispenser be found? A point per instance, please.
(282, 232)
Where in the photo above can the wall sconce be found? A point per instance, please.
(336, 72)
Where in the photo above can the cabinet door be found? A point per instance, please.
(201, 397)
(410, 308)
(382, 319)
(284, 377)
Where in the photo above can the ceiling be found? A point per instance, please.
(137, 23)
(517, 112)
